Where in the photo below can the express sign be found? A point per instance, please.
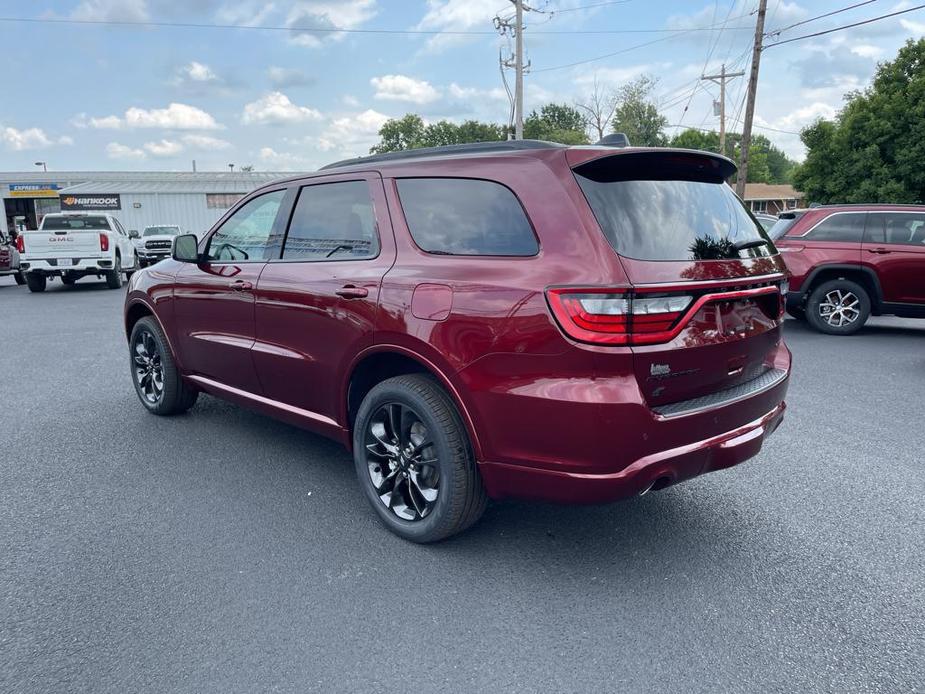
(91, 202)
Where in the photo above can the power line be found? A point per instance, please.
(326, 30)
(588, 7)
(842, 28)
(777, 32)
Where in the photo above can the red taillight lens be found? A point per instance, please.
(20, 244)
(613, 318)
(104, 243)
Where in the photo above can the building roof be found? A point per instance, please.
(767, 191)
(147, 181)
(156, 186)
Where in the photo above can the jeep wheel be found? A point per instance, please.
(20, 278)
(414, 461)
(114, 276)
(838, 307)
(36, 281)
(157, 380)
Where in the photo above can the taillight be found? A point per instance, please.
(20, 244)
(104, 243)
(614, 318)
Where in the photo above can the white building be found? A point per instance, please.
(192, 200)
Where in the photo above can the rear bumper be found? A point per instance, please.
(50, 266)
(660, 469)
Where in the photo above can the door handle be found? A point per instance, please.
(240, 286)
(349, 291)
(879, 251)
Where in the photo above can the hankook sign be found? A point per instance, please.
(100, 201)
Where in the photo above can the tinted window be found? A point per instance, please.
(333, 220)
(783, 224)
(246, 235)
(462, 216)
(846, 227)
(672, 219)
(75, 223)
(162, 231)
(907, 229)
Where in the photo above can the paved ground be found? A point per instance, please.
(222, 551)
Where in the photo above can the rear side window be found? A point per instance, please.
(462, 216)
(783, 225)
(333, 221)
(75, 223)
(900, 228)
(669, 207)
(845, 227)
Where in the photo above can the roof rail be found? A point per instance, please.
(447, 150)
(868, 204)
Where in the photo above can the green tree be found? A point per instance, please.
(409, 132)
(556, 123)
(637, 115)
(400, 133)
(874, 148)
(696, 139)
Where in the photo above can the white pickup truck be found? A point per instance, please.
(71, 245)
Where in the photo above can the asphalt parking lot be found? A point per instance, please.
(222, 551)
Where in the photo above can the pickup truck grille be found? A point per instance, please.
(157, 245)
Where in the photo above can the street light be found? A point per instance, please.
(231, 166)
(43, 164)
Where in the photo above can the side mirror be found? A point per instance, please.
(186, 248)
(133, 234)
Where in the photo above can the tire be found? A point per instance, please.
(35, 281)
(68, 279)
(135, 268)
(114, 276)
(838, 307)
(450, 475)
(174, 395)
(20, 278)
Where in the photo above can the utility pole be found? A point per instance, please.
(519, 70)
(750, 104)
(721, 79)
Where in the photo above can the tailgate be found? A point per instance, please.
(61, 243)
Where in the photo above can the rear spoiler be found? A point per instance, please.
(649, 163)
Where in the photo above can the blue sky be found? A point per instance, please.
(91, 96)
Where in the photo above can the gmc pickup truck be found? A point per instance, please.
(71, 245)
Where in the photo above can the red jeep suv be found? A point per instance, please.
(520, 319)
(848, 262)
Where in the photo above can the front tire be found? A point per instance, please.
(36, 282)
(114, 276)
(414, 461)
(838, 307)
(157, 380)
(20, 278)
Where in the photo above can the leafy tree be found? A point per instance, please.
(556, 123)
(874, 149)
(637, 115)
(696, 139)
(409, 132)
(597, 110)
(766, 163)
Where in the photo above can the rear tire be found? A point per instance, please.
(155, 375)
(838, 307)
(20, 278)
(421, 492)
(35, 281)
(114, 276)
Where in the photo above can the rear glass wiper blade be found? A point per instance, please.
(754, 243)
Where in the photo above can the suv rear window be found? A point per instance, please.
(669, 206)
(74, 223)
(464, 216)
(783, 224)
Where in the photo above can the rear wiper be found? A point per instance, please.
(742, 245)
(342, 247)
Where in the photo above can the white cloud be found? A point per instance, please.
(326, 14)
(198, 72)
(474, 94)
(114, 150)
(276, 108)
(112, 11)
(404, 88)
(281, 161)
(805, 115)
(249, 12)
(350, 101)
(281, 77)
(205, 142)
(866, 50)
(174, 117)
(460, 15)
(30, 138)
(353, 134)
(163, 148)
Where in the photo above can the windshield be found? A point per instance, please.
(783, 224)
(75, 223)
(162, 231)
(674, 219)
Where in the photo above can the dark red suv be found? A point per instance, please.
(523, 319)
(848, 262)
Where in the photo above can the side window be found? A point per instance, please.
(333, 221)
(907, 229)
(118, 226)
(840, 227)
(247, 234)
(462, 216)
